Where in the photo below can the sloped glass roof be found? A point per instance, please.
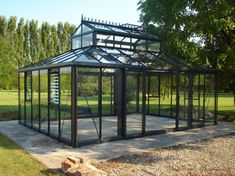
(108, 57)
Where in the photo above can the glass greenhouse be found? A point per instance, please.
(115, 83)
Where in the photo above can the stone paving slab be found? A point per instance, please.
(52, 153)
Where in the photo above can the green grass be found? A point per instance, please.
(9, 104)
(14, 161)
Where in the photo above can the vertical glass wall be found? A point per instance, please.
(22, 98)
(65, 103)
(165, 95)
(54, 99)
(209, 100)
(108, 77)
(45, 97)
(197, 109)
(133, 118)
(87, 104)
(28, 98)
(35, 99)
(183, 101)
(109, 116)
(160, 102)
(44, 100)
(153, 94)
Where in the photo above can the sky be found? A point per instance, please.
(53, 11)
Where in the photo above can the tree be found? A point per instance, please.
(11, 31)
(65, 38)
(20, 43)
(45, 38)
(197, 31)
(60, 34)
(7, 69)
(54, 41)
(3, 26)
(26, 59)
(33, 40)
(27, 42)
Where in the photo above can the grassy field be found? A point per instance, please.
(9, 104)
(15, 161)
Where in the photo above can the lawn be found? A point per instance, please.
(16, 162)
(9, 104)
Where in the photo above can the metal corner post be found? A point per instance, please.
(190, 100)
(144, 103)
(100, 103)
(19, 106)
(74, 106)
(216, 99)
(177, 99)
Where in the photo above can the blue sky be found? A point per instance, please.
(52, 11)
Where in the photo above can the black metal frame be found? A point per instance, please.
(144, 64)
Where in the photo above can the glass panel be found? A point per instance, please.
(153, 92)
(22, 102)
(35, 99)
(85, 29)
(76, 42)
(209, 98)
(108, 59)
(78, 31)
(58, 58)
(159, 103)
(153, 46)
(109, 116)
(103, 40)
(117, 29)
(70, 56)
(98, 26)
(65, 102)
(76, 53)
(141, 45)
(86, 58)
(54, 98)
(82, 29)
(197, 106)
(87, 40)
(28, 98)
(44, 99)
(133, 117)
(183, 109)
(165, 90)
(173, 95)
(87, 104)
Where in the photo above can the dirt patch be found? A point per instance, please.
(215, 156)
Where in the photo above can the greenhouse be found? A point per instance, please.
(115, 83)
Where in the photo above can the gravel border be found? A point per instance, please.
(213, 156)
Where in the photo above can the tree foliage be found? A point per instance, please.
(24, 42)
(200, 31)
(7, 68)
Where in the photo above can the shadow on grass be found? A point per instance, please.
(228, 116)
(8, 112)
(52, 172)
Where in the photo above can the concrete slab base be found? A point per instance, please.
(52, 153)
